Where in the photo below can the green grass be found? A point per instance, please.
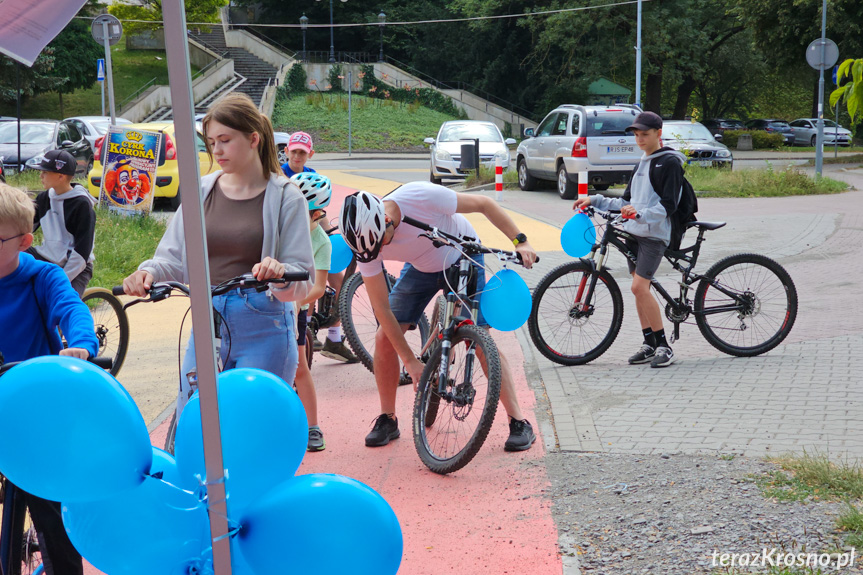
(132, 69)
(486, 176)
(377, 125)
(811, 477)
(827, 148)
(852, 159)
(121, 244)
(759, 183)
(28, 180)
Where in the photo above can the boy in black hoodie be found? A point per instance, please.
(648, 203)
(65, 213)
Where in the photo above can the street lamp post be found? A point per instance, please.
(332, 45)
(382, 21)
(304, 23)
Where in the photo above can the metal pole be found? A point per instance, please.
(350, 87)
(638, 59)
(381, 55)
(18, 111)
(177, 48)
(109, 74)
(819, 139)
(332, 45)
(102, 83)
(836, 135)
(304, 44)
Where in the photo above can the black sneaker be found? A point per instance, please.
(385, 429)
(663, 357)
(316, 440)
(521, 435)
(338, 351)
(318, 345)
(644, 355)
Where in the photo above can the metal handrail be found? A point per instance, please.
(269, 40)
(493, 99)
(323, 57)
(136, 93)
(221, 58)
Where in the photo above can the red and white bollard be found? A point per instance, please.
(498, 178)
(582, 185)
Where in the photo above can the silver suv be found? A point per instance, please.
(573, 139)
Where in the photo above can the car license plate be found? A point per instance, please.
(705, 163)
(621, 149)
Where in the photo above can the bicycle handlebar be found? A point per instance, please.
(104, 362)
(435, 235)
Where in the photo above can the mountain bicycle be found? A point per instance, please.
(111, 323)
(744, 305)
(19, 546)
(161, 291)
(455, 402)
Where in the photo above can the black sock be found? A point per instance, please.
(659, 338)
(648, 337)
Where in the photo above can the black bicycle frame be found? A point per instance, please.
(466, 278)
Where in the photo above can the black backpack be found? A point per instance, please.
(687, 205)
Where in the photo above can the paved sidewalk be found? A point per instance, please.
(802, 395)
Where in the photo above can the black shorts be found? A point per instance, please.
(302, 324)
(648, 252)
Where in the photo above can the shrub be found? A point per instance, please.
(427, 97)
(760, 139)
(333, 77)
(296, 79)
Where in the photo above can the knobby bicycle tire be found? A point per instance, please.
(18, 535)
(557, 332)
(111, 324)
(766, 322)
(437, 441)
(310, 347)
(172, 433)
(361, 337)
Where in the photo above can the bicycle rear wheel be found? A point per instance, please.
(758, 318)
(360, 325)
(112, 325)
(568, 334)
(18, 541)
(449, 438)
(310, 347)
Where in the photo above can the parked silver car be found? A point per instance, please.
(806, 130)
(94, 127)
(446, 148)
(573, 139)
(696, 141)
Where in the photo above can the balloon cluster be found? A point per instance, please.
(132, 509)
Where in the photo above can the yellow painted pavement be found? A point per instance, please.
(543, 237)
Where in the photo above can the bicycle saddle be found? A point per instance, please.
(706, 225)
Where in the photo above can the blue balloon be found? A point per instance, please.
(578, 236)
(264, 435)
(325, 524)
(506, 301)
(153, 528)
(90, 438)
(342, 254)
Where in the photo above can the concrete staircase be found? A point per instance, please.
(258, 74)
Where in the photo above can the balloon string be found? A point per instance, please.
(158, 476)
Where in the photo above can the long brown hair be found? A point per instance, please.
(238, 112)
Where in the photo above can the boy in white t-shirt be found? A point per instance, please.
(374, 230)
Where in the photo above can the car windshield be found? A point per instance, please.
(456, 132)
(607, 124)
(687, 132)
(31, 133)
(830, 124)
(779, 125)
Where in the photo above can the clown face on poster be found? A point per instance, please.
(130, 170)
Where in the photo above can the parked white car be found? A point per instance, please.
(573, 139)
(446, 148)
(94, 127)
(806, 130)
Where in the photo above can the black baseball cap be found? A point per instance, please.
(59, 161)
(646, 121)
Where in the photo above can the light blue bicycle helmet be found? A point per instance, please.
(315, 188)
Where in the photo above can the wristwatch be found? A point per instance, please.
(519, 239)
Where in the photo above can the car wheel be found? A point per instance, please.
(600, 187)
(282, 154)
(435, 180)
(814, 141)
(175, 201)
(525, 181)
(565, 188)
(89, 167)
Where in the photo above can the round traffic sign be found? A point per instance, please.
(109, 22)
(831, 54)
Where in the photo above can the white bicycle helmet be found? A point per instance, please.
(363, 224)
(315, 188)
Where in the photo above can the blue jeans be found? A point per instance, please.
(257, 331)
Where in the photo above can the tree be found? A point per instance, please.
(33, 80)
(75, 55)
(151, 10)
(850, 89)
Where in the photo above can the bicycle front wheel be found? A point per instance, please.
(450, 427)
(112, 325)
(360, 324)
(565, 328)
(745, 305)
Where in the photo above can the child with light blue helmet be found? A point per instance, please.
(315, 188)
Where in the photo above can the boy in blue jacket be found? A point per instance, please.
(36, 298)
(651, 197)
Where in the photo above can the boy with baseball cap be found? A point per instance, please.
(65, 213)
(648, 202)
(300, 151)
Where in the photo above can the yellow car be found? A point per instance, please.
(167, 174)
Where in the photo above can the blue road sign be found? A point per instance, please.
(100, 69)
(835, 72)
